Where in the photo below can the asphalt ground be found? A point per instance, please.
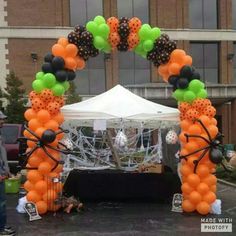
(125, 219)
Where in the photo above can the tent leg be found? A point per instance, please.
(113, 150)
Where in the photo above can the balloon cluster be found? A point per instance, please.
(160, 54)
(148, 36)
(83, 39)
(100, 31)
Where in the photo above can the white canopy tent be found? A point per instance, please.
(119, 105)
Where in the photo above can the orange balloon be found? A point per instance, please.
(41, 207)
(210, 180)
(184, 152)
(205, 120)
(133, 40)
(27, 134)
(163, 69)
(57, 187)
(186, 170)
(43, 116)
(213, 188)
(58, 50)
(191, 146)
(195, 197)
(195, 129)
(209, 111)
(41, 186)
(40, 153)
(59, 118)
(34, 124)
(71, 50)
(33, 196)
(34, 176)
(191, 160)
(37, 104)
(46, 96)
(113, 24)
(44, 168)
(193, 180)
(80, 63)
(188, 206)
(135, 24)
(185, 124)
(213, 121)
(209, 197)
(174, 69)
(213, 130)
(53, 108)
(59, 169)
(63, 41)
(40, 131)
(187, 60)
(52, 124)
(114, 39)
(178, 56)
(192, 114)
(182, 137)
(184, 106)
(203, 208)
(202, 188)
(70, 63)
(33, 95)
(202, 171)
(186, 188)
(28, 186)
(30, 114)
(35, 160)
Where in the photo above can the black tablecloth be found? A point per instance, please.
(109, 185)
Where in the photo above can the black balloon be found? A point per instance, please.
(47, 67)
(215, 156)
(123, 30)
(83, 52)
(164, 57)
(86, 38)
(73, 38)
(182, 83)
(48, 57)
(123, 20)
(170, 46)
(93, 52)
(186, 71)
(61, 75)
(123, 46)
(165, 36)
(58, 63)
(79, 29)
(173, 79)
(48, 136)
(70, 75)
(195, 75)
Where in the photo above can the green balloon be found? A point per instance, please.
(189, 96)
(145, 32)
(39, 75)
(99, 42)
(66, 85)
(155, 33)
(196, 85)
(179, 95)
(107, 48)
(104, 30)
(202, 93)
(38, 85)
(58, 90)
(99, 20)
(49, 80)
(92, 27)
(148, 45)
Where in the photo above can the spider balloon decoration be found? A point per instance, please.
(213, 146)
(44, 142)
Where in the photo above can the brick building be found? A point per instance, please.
(205, 29)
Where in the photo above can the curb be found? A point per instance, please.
(226, 183)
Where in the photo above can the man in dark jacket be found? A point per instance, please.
(4, 173)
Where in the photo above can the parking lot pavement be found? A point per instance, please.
(123, 219)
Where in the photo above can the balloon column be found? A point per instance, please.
(199, 137)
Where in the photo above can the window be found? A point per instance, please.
(203, 14)
(133, 69)
(234, 14)
(90, 80)
(234, 60)
(205, 60)
(10, 134)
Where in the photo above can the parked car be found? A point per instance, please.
(10, 134)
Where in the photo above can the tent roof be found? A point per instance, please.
(119, 104)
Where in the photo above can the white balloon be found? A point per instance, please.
(171, 137)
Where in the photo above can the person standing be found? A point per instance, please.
(4, 173)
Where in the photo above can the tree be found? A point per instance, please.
(14, 94)
(72, 95)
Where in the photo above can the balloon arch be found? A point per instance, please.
(199, 133)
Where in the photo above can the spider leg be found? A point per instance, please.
(196, 162)
(204, 127)
(28, 154)
(59, 150)
(196, 136)
(27, 139)
(62, 131)
(198, 150)
(225, 168)
(63, 145)
(56, 161)
(30, 131)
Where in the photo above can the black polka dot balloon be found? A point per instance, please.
(73, 38)
(171, 137)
